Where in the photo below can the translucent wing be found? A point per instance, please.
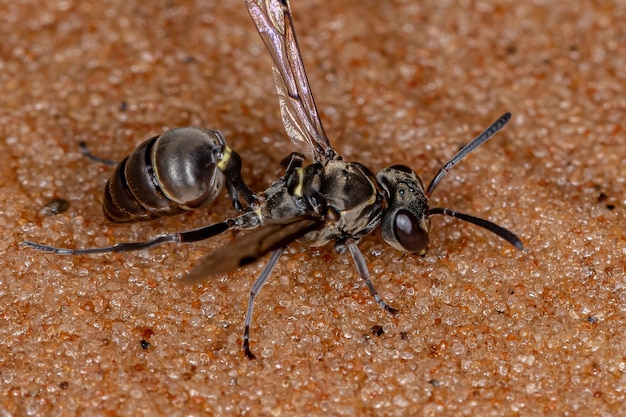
(252, 246)
(297, 106)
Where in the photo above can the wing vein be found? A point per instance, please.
(297, 104)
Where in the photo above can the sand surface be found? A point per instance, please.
(483, 329)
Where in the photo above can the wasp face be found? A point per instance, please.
(405, 220)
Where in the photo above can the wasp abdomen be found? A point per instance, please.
(165, 176)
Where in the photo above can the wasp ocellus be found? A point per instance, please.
(328, 200)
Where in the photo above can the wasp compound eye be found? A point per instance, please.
(409, 232)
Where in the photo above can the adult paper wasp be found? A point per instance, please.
(329, 200)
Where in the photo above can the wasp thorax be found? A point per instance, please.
(404, 224)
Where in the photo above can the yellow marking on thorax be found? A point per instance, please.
(297, 191)
(259, 214)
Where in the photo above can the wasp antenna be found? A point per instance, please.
(486, 224)
(479, 140)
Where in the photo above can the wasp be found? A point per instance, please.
(328, 200)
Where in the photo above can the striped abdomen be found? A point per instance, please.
(166, 175)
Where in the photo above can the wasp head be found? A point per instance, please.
(404, 224)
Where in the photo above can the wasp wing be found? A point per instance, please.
(252, 246)
(297, 106)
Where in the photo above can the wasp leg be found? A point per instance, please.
(229, 162)
(179, 237)
(87, 153)
(254, 291)
(361, 266)
(292, 162)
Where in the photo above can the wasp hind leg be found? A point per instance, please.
(189, 236)
(292, 162)
(84, 149)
